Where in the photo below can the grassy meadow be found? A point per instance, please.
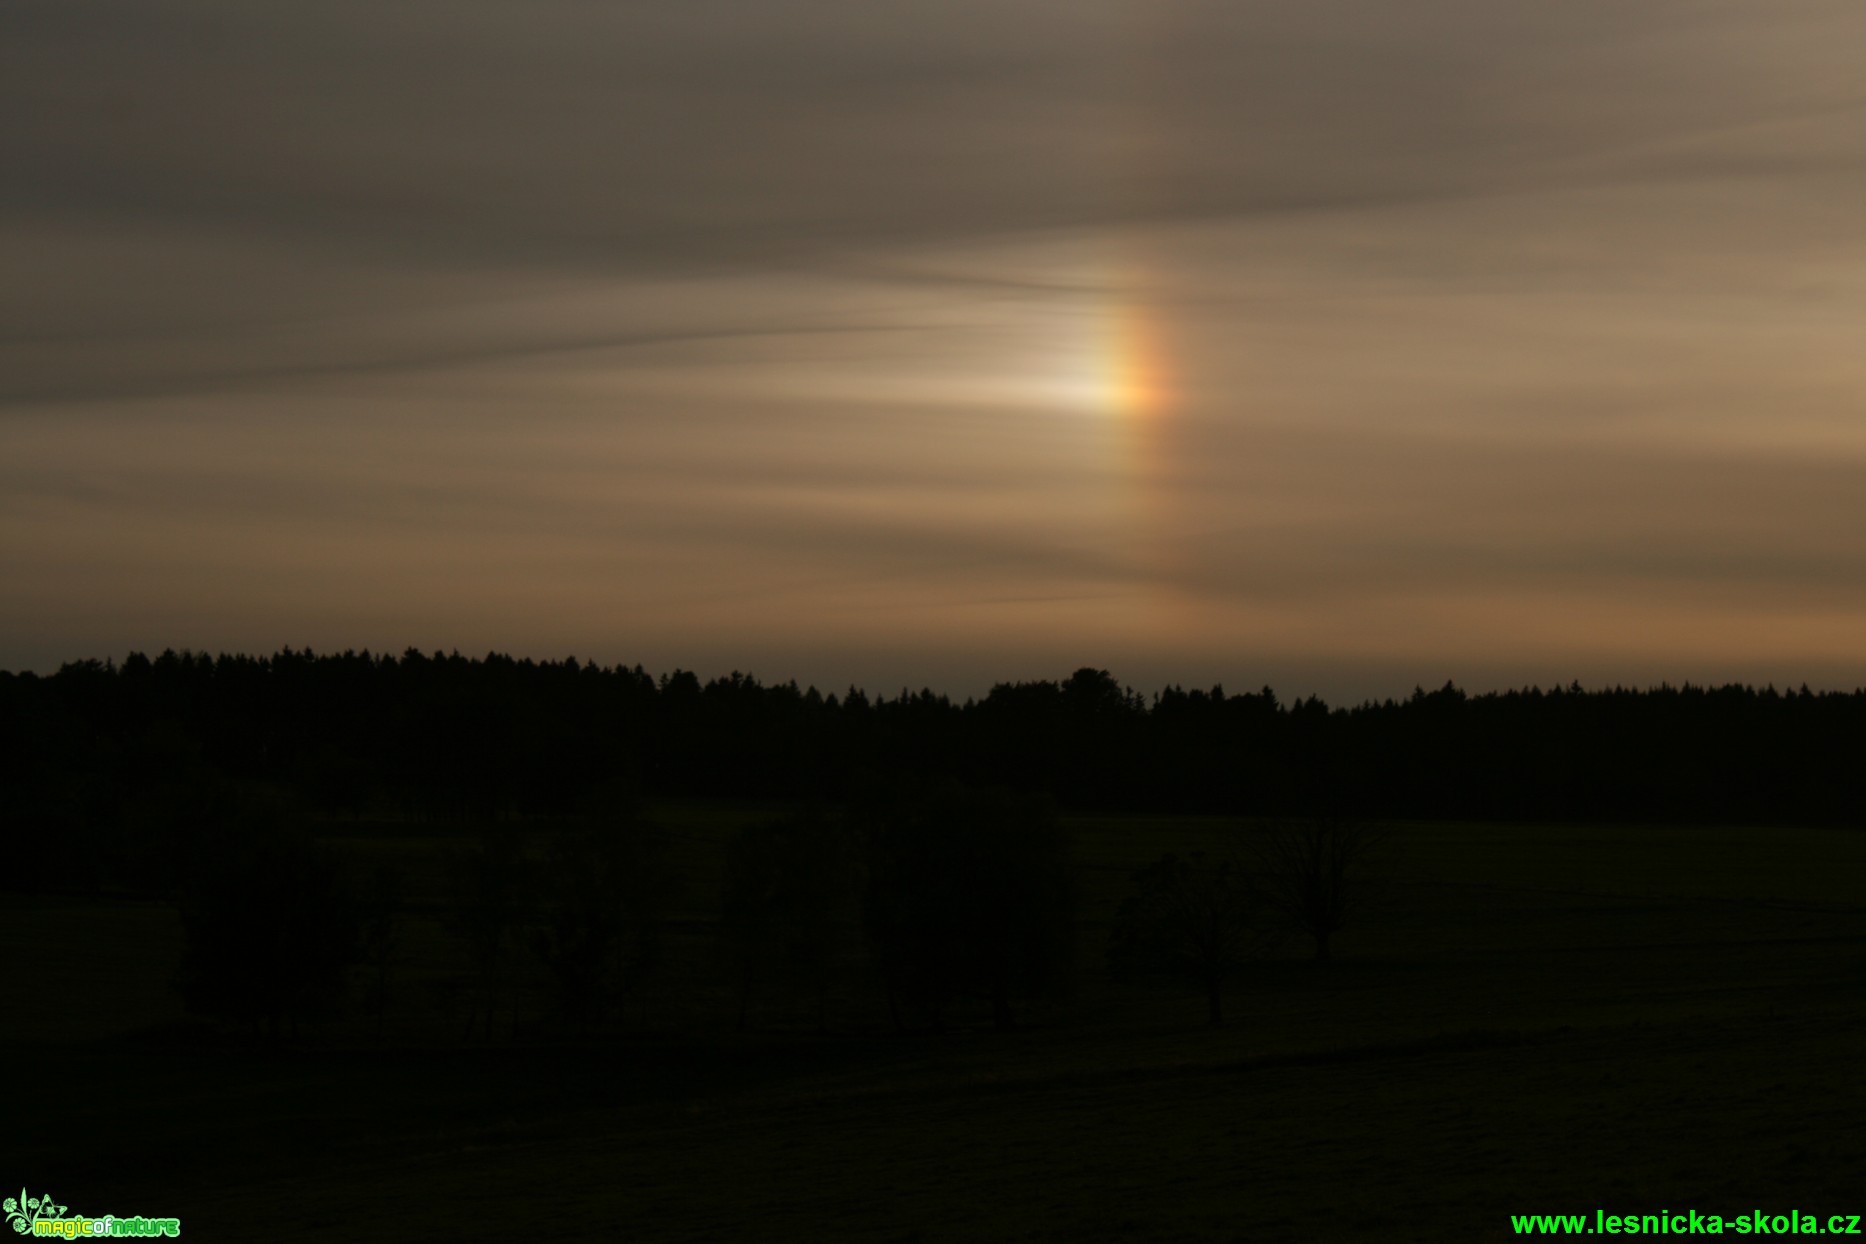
(1521, 1019)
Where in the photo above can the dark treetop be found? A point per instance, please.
(446, 735)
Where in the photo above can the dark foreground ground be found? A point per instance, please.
(1532, 1019)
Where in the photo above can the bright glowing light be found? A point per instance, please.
(1135, 385)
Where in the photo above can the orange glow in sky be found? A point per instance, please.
(1137, 384)
(941, 345)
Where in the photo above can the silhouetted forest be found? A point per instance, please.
(516, 922)
(445, 736)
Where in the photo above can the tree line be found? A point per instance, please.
(100, 745)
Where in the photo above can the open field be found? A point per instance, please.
(1530, 1019)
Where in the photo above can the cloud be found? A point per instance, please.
(729, 324)
(213, 164)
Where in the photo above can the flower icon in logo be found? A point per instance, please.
(22, 1211)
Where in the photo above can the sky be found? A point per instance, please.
(1341, 347)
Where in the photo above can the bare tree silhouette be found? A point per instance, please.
(1317, 873)
(489, 892)
(598, 930)
(1192, 919)
(792, 907)
(379, 910)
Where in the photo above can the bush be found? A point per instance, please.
(270, 924)
(970, 894)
